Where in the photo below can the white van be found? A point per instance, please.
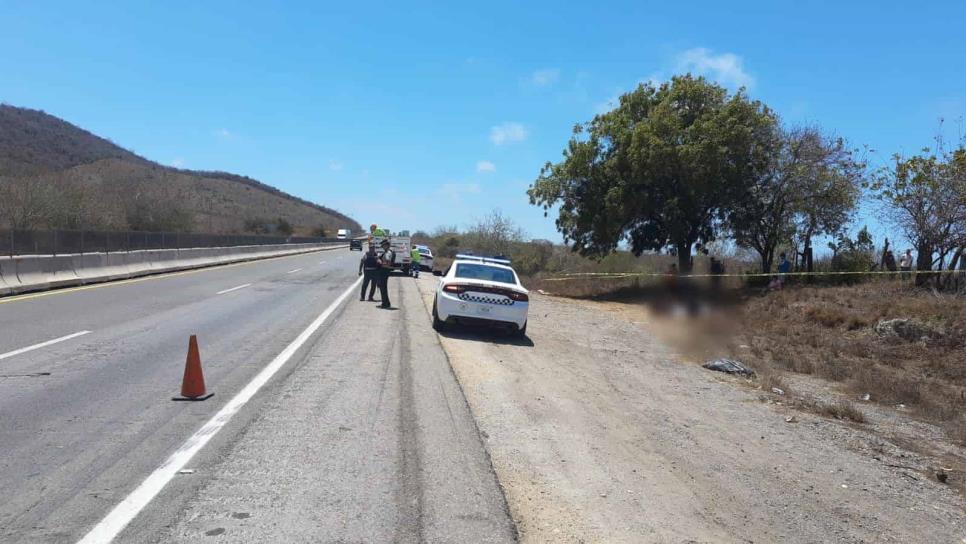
(343, 234)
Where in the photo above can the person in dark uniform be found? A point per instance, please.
(386, 263)
(369, 266)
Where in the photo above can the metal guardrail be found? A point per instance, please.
(55, 242)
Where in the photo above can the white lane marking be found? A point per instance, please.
(233, 289)
(42, 344)
(293, 271)
(122, 514)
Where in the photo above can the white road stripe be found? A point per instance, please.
(42, 344)
(233, 289)
(125, 512)
(293, 271)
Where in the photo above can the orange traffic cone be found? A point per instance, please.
(193, 384)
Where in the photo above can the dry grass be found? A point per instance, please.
(769, 380)
(841, 409)
(825, 331)
(829, 332)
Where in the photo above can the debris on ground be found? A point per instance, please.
(777, 391)
(729, 366)
(910, 330)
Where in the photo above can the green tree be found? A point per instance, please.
(850, 255)
(659, 171)
(925, 197)
(810, 187)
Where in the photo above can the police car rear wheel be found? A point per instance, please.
(438, 325)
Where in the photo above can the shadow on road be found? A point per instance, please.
(483, 334)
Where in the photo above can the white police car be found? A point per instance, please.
(481, 291)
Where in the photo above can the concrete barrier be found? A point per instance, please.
(8, 276)
(45, 272)
(165, 260)
(41, 272)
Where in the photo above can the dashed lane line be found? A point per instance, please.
(42, 344)
(233, 289)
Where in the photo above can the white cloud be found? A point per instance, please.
(455, 191)
(485, 166)
(545, 77)
(725, 68)
(177, 162)
(508, 133)
(335, 165)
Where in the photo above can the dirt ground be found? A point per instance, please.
(599, 433)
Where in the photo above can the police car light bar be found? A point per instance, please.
(491, 260)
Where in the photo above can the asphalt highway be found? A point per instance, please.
(86, 416)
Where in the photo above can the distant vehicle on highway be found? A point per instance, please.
(343, 234)
(426, 257)
(481, 291)
(355, 244)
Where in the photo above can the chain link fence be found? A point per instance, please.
(54, 242)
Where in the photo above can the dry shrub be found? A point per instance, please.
(770, 379)
(888, 385)
(826, 316)
(841, 409)
(855, 323)
(957, 430)
(834, 368)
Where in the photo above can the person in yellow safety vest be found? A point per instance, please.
(416, 258)
(375, 231)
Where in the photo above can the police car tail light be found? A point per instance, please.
(454, 288)
(519, 297)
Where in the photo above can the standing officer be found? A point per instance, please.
(369, 265)
(386, 262)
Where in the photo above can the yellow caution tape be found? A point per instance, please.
(620, 275)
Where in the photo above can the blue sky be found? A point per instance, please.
(414, 115)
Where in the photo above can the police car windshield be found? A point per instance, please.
(472, 271)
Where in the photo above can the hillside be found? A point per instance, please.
(56, 175)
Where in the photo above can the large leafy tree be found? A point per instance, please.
(810, 187)
(925, 197)
(660, 171)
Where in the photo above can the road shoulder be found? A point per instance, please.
(596, 433)
(368, 439)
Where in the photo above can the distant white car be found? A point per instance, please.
(481, 291)
(426, 257)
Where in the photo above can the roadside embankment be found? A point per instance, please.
(23, 274)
